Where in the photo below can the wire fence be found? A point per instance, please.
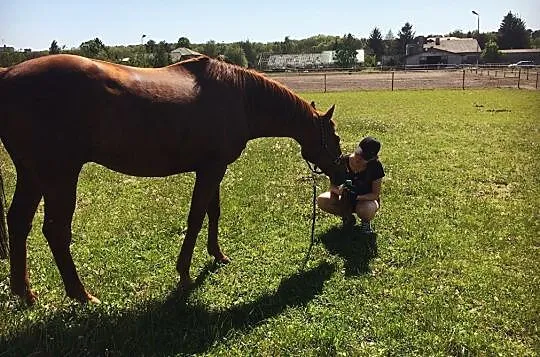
(462, 78)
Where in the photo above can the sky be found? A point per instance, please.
(35, 24)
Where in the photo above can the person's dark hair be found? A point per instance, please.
(368, 148)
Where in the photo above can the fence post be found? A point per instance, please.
(519, 77)
(536, 80)
(527, 73)
(463, 85)
(392, 81)
(325, 82)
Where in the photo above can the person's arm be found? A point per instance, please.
(374, 194)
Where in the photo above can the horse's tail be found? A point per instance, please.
(4, 247)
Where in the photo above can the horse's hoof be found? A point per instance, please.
(28, 295)
(93, 300)
(84, 297)
(223, 260)
(185, 284)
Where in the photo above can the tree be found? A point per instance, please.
(375, 42)
(405, 36)
(235, 54)
(458, 34)
(491, 52)
(535, 39)
(370, 61)
(183, 42)
(250, 53)
(287, 46)
(512, 33)
(94, 49)
(346, 52)
(210, 49)
(150, 46)
(390, 44)
(161, 56)
(54, 49)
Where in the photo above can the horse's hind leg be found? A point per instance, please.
(21, 212)
(60, 198)
(206, 184)
(213, 221)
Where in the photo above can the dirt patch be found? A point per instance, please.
(433, 79)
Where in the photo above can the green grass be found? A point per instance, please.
(458, 247)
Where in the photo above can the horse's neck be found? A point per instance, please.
(277, 122)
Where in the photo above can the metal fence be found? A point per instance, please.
(462, 78)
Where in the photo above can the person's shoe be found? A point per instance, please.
(348, 221)
(365, 227)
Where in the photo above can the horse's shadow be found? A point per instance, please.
(174, 326)
(356, 248)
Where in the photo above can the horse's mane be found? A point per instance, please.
(258, 90)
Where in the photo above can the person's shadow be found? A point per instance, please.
(356, 248)
(176, 325)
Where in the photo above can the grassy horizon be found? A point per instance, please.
(453, 271)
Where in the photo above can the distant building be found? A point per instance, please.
(7, 49)
(523, 54)
(277, 62)
(182, 53)
(443, 50)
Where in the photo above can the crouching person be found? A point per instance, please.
(360, 194)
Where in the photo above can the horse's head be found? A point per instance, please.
(323, 148)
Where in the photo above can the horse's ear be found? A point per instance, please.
(330, 112)
(313, 105)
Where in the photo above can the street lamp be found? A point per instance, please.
(142, 37)
(477, 38)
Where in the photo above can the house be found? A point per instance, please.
(443, 50)
(182, 53)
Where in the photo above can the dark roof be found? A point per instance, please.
(453, 44)
(185, 52)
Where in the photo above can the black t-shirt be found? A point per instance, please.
(363, 180)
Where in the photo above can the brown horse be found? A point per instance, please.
(59, 112)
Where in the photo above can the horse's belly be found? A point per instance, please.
(150, 158)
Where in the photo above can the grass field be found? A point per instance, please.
(453, 271)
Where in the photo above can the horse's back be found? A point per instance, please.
(149, 122)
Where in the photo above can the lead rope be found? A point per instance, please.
(314, 172)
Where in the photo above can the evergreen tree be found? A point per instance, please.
(390, 44)
(512, 33)
(405, 36)
(375, 42)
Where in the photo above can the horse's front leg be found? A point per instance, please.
(206, 183)
(213, 221)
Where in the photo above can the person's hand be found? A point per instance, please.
(335, 190)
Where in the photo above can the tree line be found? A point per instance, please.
(512, 33)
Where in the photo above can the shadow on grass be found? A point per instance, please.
(173, 326)
(356, 248)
